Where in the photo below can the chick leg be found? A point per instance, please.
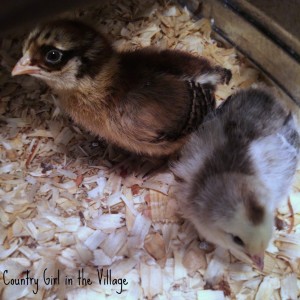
(194, 68)
(217, 75)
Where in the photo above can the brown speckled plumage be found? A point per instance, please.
(147, 101)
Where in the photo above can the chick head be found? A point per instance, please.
(62, 52)
(231, 210)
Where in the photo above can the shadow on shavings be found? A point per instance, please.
(69, 201)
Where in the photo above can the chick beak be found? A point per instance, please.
(258, 261)
(24, 66)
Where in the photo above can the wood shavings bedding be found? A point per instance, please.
(71, 204)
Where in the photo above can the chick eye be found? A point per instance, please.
(238, 240)
(53, 56)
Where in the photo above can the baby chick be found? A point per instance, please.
(236, 169)
(146, 101)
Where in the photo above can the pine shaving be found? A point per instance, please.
(69, 202)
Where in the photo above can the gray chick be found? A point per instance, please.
(235, 170)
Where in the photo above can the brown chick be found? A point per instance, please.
(146, 101)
